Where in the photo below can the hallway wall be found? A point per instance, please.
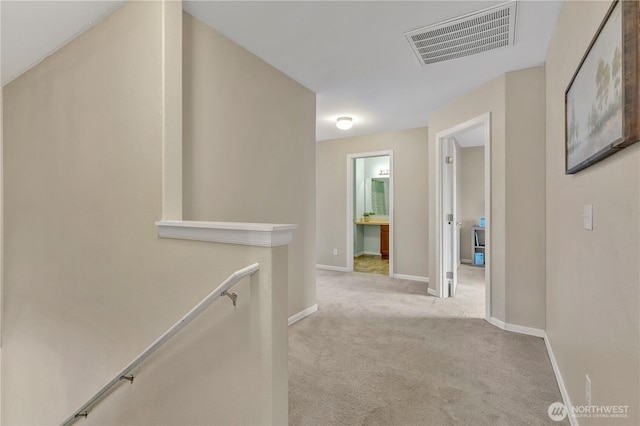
(516, 103)
(525, 199)
(88, 284)
(593, 277)
(248, 128)
(490, 97)
(410, 156)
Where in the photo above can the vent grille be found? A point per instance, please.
(468, 35)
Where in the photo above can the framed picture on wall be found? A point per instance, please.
(601, 101)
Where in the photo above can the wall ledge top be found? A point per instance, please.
(249, 234)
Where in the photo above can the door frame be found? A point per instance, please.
(350, 225)
(449, 178)
(483, 120)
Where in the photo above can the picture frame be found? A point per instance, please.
(602, 99)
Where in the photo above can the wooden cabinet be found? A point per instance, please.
(384, 241)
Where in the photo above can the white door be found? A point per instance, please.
(455, 226)
(449, 225)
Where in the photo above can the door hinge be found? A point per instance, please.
(448, 159)
(449, 275)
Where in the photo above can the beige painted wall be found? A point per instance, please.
(489, 97)
(516, 103)
(472, 199)
(249, 147)
(525, 199)
(87, 282)
(410, 197)
(593, 278)
(1, 224)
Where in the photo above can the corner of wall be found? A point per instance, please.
(525, 302)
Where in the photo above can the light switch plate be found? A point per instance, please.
(588, 217)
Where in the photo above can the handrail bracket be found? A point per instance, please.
(129, 378)
(232, 296)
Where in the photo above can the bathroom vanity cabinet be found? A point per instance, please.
(381, 234)
(384, 241)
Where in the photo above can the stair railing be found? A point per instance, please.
(221, 290)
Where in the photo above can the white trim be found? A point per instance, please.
(350, 215)
(487, 212)
(432, 292)
(303, 314)
(333, 268)
(496, 322)
(372, 253)
(411, 277)
(249, 234)
(466, 261)
(563, 389)
(359, 254)
(485, 120)
(520, 329)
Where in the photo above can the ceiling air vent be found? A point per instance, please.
(464, 36)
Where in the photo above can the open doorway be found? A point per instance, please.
(370, 212)
(463, 211)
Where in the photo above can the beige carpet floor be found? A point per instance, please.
(381, 352)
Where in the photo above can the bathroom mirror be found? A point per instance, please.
(371, 186)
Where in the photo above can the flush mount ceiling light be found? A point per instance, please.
(344, 123)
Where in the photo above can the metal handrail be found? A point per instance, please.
(220, 291)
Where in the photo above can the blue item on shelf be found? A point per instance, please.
(479, 259)
(482, 222)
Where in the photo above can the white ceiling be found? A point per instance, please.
(351, 53)
(33, 30)
(470, 137)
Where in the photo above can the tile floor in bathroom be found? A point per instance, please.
(371, 264)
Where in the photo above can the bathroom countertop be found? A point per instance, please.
(372, 222)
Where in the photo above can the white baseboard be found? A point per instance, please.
(466, 261)
(525, 330)
(411, 277)
(563, 389)
(333, 268)
(516, 328)
(497, 323)
(432, 292)
(358, 254)
(372, 253)
(303, 314)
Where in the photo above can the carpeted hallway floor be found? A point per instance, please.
(381, 352)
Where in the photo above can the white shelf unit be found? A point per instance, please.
(478, 245)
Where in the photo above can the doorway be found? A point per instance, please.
(370, 212)
(451, 228)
